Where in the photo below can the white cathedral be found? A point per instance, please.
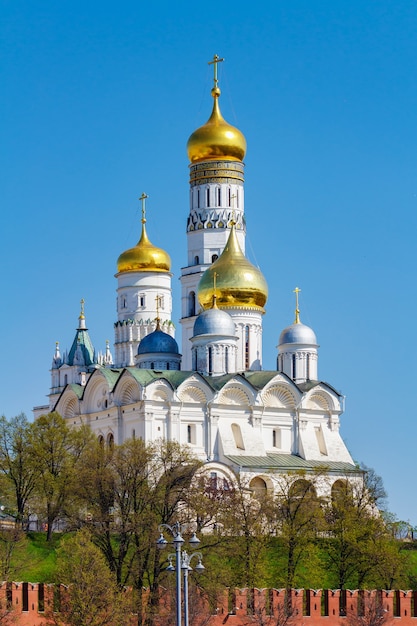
(215, 396)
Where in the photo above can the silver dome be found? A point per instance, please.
(158, 342)
(214, 322)
(298, 333)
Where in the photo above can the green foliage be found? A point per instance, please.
(91, 597)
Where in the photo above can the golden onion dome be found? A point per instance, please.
(216, 139)
(144, 257)
(233, 279)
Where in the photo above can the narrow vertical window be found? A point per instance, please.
(308, 367)
(226, 360)
(229, 197)
(198, 198)
(189, 433)
(191, 304)
(219, 197)
(237, 197)
(210, 361)
(294, 373)
(246, 347)
(195, 360)
(208, 196)
(274, 438)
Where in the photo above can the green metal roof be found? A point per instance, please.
(82, 338)
(290, 462)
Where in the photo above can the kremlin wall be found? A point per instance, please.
(239, 607)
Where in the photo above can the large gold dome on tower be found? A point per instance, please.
(233, 279)
(216, 139)
(144, 257)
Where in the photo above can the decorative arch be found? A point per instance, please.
(70, 407)
(341, 490)
(279, 396)
(193, 394)
(110, 441)
(159, 392)
(319, 401)
(302, 487)
(128, 392)
(96, 391)
(234, 395)
(258, 486)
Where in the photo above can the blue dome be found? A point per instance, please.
(214, 322)
(297, 333)
(158, 342)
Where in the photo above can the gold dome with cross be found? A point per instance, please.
(216, 139)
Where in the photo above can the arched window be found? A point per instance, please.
(246, 347)
(214, 257)
(110, 441)
(191, 304)
(152, 366)
(66, 379)
(237, 436)
(101, 441)
(258, 486)
(196, 259)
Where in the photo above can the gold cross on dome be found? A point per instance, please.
(297, 310)
(82, 302)
(142, 199)
(214, 62)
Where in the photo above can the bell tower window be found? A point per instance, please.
(246, 347)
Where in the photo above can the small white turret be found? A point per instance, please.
(297, 350)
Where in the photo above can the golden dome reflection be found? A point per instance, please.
(238, 282)
(144, 257)
(216, 139)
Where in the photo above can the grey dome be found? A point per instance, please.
(297, 333)
(214, 322)
(158, 342)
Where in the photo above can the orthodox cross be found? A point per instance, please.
(158, 300)
(297, 310)
(82, 302)
(215, 274)
(214, 62)
(142, 199)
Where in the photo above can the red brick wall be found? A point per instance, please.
(240, 607)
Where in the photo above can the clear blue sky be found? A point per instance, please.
(99, 99)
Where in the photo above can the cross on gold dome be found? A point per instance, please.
(142, 199)
(297, 310)
(158, 300)
(214, 291)
(214, 62)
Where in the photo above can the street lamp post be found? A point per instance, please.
(182, 563)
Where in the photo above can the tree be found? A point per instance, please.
(297, 519)
(357, 537)
(56, 450)
(16, 462)
(92, 597)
